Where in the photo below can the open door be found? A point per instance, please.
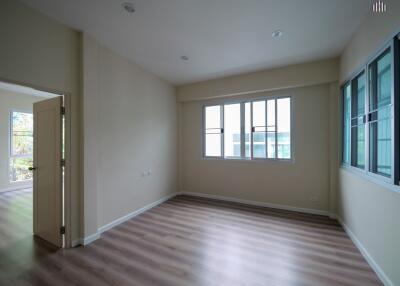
(47, 167)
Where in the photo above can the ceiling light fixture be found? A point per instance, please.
(128, 7)
(277, 34)
(184, 58)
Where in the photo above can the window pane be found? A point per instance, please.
(361, 128)
(346, 124)
(358, 125)
(271, 128)
(247, 129)
(213, 117)
(232, 130)
(381, 143)
(360, 96)
(213, 135)
(19, 169)
(384, 81)
(359, 135)
(259, 114)
(283, 132)
(380, 135)
(259, 126)
(213, 145)
(22, 133)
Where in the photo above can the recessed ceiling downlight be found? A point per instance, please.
(128, 7)
(277, 34)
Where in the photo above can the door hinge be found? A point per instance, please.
(62, 162)
(62, 230)
(62, 110)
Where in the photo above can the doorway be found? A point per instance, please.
(32, 169)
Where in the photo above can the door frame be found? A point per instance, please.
(67, 142)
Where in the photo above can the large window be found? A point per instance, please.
(380, 115)
(358, 121)
(21, 145)
(258, 129)
(346, 123)
(370, 123)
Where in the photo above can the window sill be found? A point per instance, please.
(21, 182)
(263, 160)
(374, 179)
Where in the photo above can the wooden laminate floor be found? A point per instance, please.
(195, 241)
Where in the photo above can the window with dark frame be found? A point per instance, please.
(358, 121)
(259, 129)
(370, 117)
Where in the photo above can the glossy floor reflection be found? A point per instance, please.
(194, 241)
(15, 217)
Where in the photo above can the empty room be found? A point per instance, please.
(200, 142)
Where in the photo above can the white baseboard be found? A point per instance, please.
(255, 203)
(378, 270)
(89, 239)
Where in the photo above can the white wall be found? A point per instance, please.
(370, 210)
(41, 52)
(283, 183)
(11, 101)
(130, 126)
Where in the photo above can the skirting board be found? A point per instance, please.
(378, 270)
(89, 239)
(259, 204)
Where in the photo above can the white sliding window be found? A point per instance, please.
(213, 131)
(358, 121)
(283, 128)
(346, 123)
(259, 129)
(380, 115)
(232, 126)
(371, 117)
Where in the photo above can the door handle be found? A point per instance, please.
(32, 168)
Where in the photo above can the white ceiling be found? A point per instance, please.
(220, 37)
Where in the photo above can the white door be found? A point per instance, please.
(47, 168)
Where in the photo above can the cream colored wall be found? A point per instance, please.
(312, 73)
(371, 211)
(291, 184)
(38, 51)
(130, 127)
(11, 101)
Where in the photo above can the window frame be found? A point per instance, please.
(354, 93)
(393, 181)
(342, 109)
(10, 143)
(203, 129)
(242, 103)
